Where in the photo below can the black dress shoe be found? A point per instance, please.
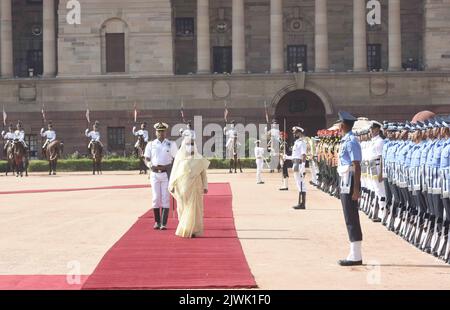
(284, 189)
(347, 263)
(299, 207)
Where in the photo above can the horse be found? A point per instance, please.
(53, 152)
(20, 159)
(233, 150)
(140, 149)
(97, 155)
(10, 166)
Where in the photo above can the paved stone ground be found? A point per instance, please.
(286, 249)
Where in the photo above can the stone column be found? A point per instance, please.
(359, 36)
(6, 44)
(276, 36)
(395, 36)
(238, 36)
(203, 41)
(321, 36)
(49, 38)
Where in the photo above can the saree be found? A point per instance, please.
(187, 183)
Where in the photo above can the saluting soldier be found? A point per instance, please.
(159, 155)
(298, 158)
(350, 176)
(49, 135)
(141, 132)
(93, 135)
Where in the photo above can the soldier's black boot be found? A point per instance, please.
(165, 216)
(157, 218)
(303, 204)
(299, 205)
(442, 241)
(436, 237)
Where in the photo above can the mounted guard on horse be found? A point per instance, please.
(52, 148)
(139, 146)
(95, 147)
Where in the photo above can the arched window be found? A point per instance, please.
(114, 34)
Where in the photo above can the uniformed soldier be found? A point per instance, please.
(444, 244)
(313, 161)
(188, 132)
(284, 163)
(141, 132)
(49, 135)
(19, 135)
(8, 137)
(298, 158)
(93, 135)
(349, 170)
(159, 155)
(274, 143)
(376, 178)
(259, 157)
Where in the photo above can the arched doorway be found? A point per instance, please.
(301, 108)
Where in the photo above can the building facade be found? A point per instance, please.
(303, 59)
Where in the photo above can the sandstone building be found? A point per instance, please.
(159, 54)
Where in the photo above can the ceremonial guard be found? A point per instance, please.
(9, 137)
(274, 145)
(259, 158)
(349, 170)
(93, 135)
(19, 135)
(284, 163)
(375, 172)
(188, 132)
(298, 158)
(233, 146)
(444, 244)
(159, 155)
(143, 132)
(49, 135)
(313, 162)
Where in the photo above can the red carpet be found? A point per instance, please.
(147, 259)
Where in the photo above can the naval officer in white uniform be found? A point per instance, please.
(159, 155)
(298, 158)
(259, 156)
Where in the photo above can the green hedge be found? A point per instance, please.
(115, 164)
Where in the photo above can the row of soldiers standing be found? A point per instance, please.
(405, 178)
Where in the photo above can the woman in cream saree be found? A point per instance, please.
(187, 184)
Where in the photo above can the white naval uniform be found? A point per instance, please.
(141, 132)
(274, 133)
(259, 155)
(231, 133)
(374, 153)
(160, 154)
(20, 135)
(298, 152)
(93, 135)
(8, 136)
(50, 135)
